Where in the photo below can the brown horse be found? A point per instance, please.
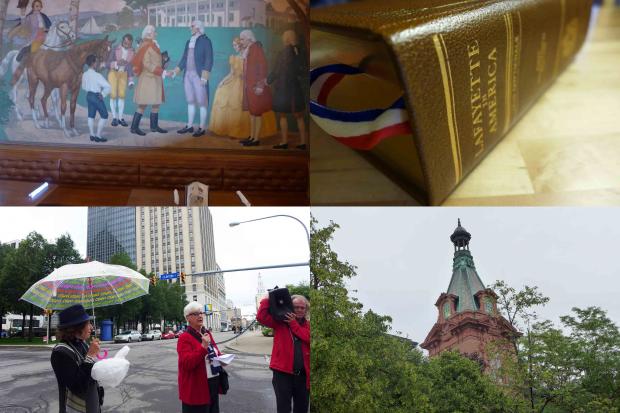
(62, 70)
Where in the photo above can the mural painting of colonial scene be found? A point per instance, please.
(220, 74)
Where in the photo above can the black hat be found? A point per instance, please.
(280, 303)
(72, 316)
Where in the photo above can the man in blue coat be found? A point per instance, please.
(197, 62)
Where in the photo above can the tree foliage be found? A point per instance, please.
(163, 302)
(299, 289)
(572, 368)
(357, 365)
(33, 260)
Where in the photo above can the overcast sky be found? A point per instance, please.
(268, 242)
(404, 256)
(60, 7)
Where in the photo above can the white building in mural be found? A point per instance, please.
(214, 13)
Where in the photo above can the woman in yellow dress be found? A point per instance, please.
(227, 115)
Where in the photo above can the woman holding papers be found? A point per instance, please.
(290, 357)
(199, 368)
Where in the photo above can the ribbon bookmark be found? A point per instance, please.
(361, 130)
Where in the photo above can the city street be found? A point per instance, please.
(28, 384)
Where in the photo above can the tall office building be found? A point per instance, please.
(164, 240)
(111, 231)
(172, 239)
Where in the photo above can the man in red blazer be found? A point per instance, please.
(257, 97)
(290, 356)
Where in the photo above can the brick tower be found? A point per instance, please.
(468, 318)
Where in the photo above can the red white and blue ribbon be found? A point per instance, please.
(361, 130)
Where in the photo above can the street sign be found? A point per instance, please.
(169, 276)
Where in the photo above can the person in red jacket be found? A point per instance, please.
(198, 371)
(290, 356)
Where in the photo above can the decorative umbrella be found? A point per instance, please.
(92, 284)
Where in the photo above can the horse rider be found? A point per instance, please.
(37, 24)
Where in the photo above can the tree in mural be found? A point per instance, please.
(301, 9)
(74, 14)
(4, 5)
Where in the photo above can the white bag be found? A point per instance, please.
(110, 372)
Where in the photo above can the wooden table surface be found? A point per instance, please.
(15, 193)
(564, 151)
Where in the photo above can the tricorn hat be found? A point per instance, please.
(280, 303)
(72, 316)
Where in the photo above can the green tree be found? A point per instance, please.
(299, 289)
(556, 372)
(176, 300)
(153, 304)
(62, 252)
(356, 365)
(5, 299)
(551, 374)
(519, 308)
(457, 385)
(129, 311)
(595, 355)
(27, 266)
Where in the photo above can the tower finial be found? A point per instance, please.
(460, 237)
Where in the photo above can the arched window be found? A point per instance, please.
(446, 309)
(488, 305)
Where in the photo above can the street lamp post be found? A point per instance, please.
(234, 224)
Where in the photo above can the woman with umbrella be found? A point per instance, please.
(72, 360)
(96, 285)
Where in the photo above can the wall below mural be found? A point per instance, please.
(158, 74)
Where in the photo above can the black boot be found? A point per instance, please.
(135, 124)
(155, 124)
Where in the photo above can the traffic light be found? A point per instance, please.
(183, 278)
(153, 280)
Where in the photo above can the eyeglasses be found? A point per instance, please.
(299, 307)
(196, 314)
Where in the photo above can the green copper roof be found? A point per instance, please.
(465, 282)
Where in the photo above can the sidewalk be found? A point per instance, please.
(252, 342)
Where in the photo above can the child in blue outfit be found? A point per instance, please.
(97, 88)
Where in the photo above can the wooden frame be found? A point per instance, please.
(268, 172)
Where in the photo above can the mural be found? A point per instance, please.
(221, 74)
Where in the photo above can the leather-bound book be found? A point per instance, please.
(426, 88)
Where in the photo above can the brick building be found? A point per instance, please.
(468, 318)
